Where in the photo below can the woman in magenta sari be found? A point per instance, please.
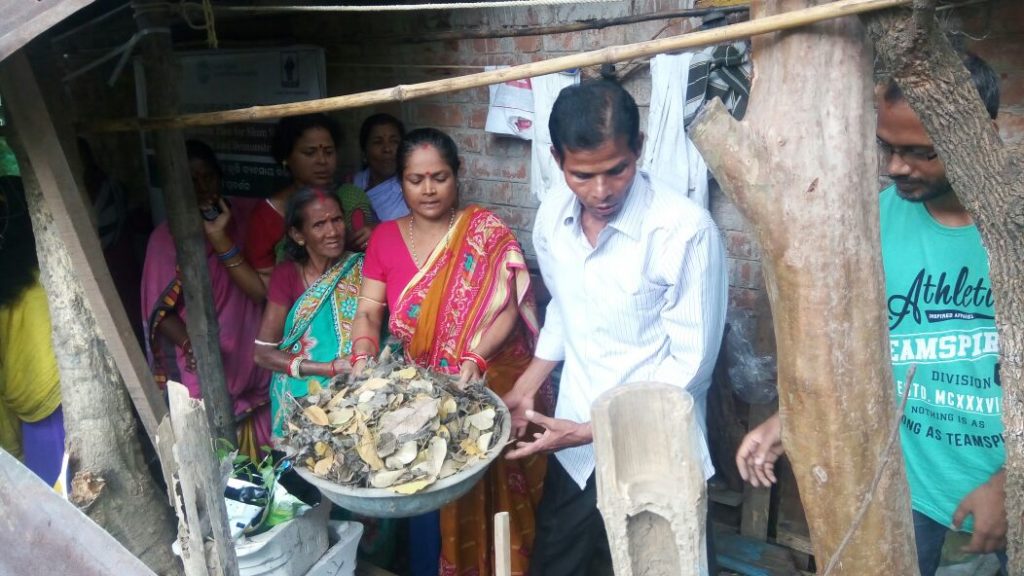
(236, 300)
(458, 291)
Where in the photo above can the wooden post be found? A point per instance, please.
(650, 481)
(187, 230)
(45, 534)
(803, 170)
(101, 441)
(199, 497)
(72, 216)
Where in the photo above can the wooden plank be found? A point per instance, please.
(164, 447)
(21, 21)
(73, 218)
(756, 501)
(201, 485)
(793, 536)
(502, 545)
(650, 481)
(45, 534)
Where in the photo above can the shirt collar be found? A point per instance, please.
(630, 218)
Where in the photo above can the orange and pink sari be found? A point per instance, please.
(443, 312)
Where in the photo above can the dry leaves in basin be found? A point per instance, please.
(399, 427)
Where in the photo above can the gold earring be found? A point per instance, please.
(301, 243)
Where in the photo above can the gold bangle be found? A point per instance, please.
(235, 264)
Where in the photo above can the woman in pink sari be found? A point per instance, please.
(458, 292)
(237, 301)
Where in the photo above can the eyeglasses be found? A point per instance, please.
(919, 154)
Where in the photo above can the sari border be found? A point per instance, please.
(468, 212)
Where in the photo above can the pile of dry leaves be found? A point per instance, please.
(398, 426)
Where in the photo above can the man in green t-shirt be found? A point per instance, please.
(940, 307)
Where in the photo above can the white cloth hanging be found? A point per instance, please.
(544, 171)
(668, 152)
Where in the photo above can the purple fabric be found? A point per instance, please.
(43, 443)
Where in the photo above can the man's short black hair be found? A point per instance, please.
(982, 76)
(591, 113)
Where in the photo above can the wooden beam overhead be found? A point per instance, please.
(22, 20)
(609, 55)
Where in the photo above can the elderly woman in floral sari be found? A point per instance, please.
(311, 301)
(456, 285)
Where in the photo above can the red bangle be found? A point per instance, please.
(376, 345)
(476, 359)
(357, 357)
(334, 370)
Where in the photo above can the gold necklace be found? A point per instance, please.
(412, 240)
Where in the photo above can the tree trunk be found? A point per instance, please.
(186, 228)
(988, 177)
(110, 479)
(802, 169)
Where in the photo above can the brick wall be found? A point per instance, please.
(496, 169)
(371, 51)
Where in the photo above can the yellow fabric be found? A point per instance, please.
(10, 430)
(30, 382)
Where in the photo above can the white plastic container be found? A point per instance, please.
(340, 558)
(288, 549)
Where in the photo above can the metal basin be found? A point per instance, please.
(383, 503)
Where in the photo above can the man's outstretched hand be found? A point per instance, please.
(558, 434)
(759, 451)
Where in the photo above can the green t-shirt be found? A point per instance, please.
(941, 318)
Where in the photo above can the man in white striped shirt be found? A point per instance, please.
(638, 284)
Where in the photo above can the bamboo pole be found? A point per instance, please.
(609, 55)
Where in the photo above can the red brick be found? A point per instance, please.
(529, 44)
(562, 42)
(595, 39)
(438, 115)
(741, 245)
(507, 147)
(494, 192)
(496, 169)
(743, 298)
(468, 141)
(477, 117)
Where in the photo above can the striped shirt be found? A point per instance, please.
(647, 303)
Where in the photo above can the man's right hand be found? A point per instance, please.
(518, 403)
(759, 451)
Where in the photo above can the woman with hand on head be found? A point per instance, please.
(311, 301)
(379, 138)
(237, 300)
(307, 148)
(458, 291)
